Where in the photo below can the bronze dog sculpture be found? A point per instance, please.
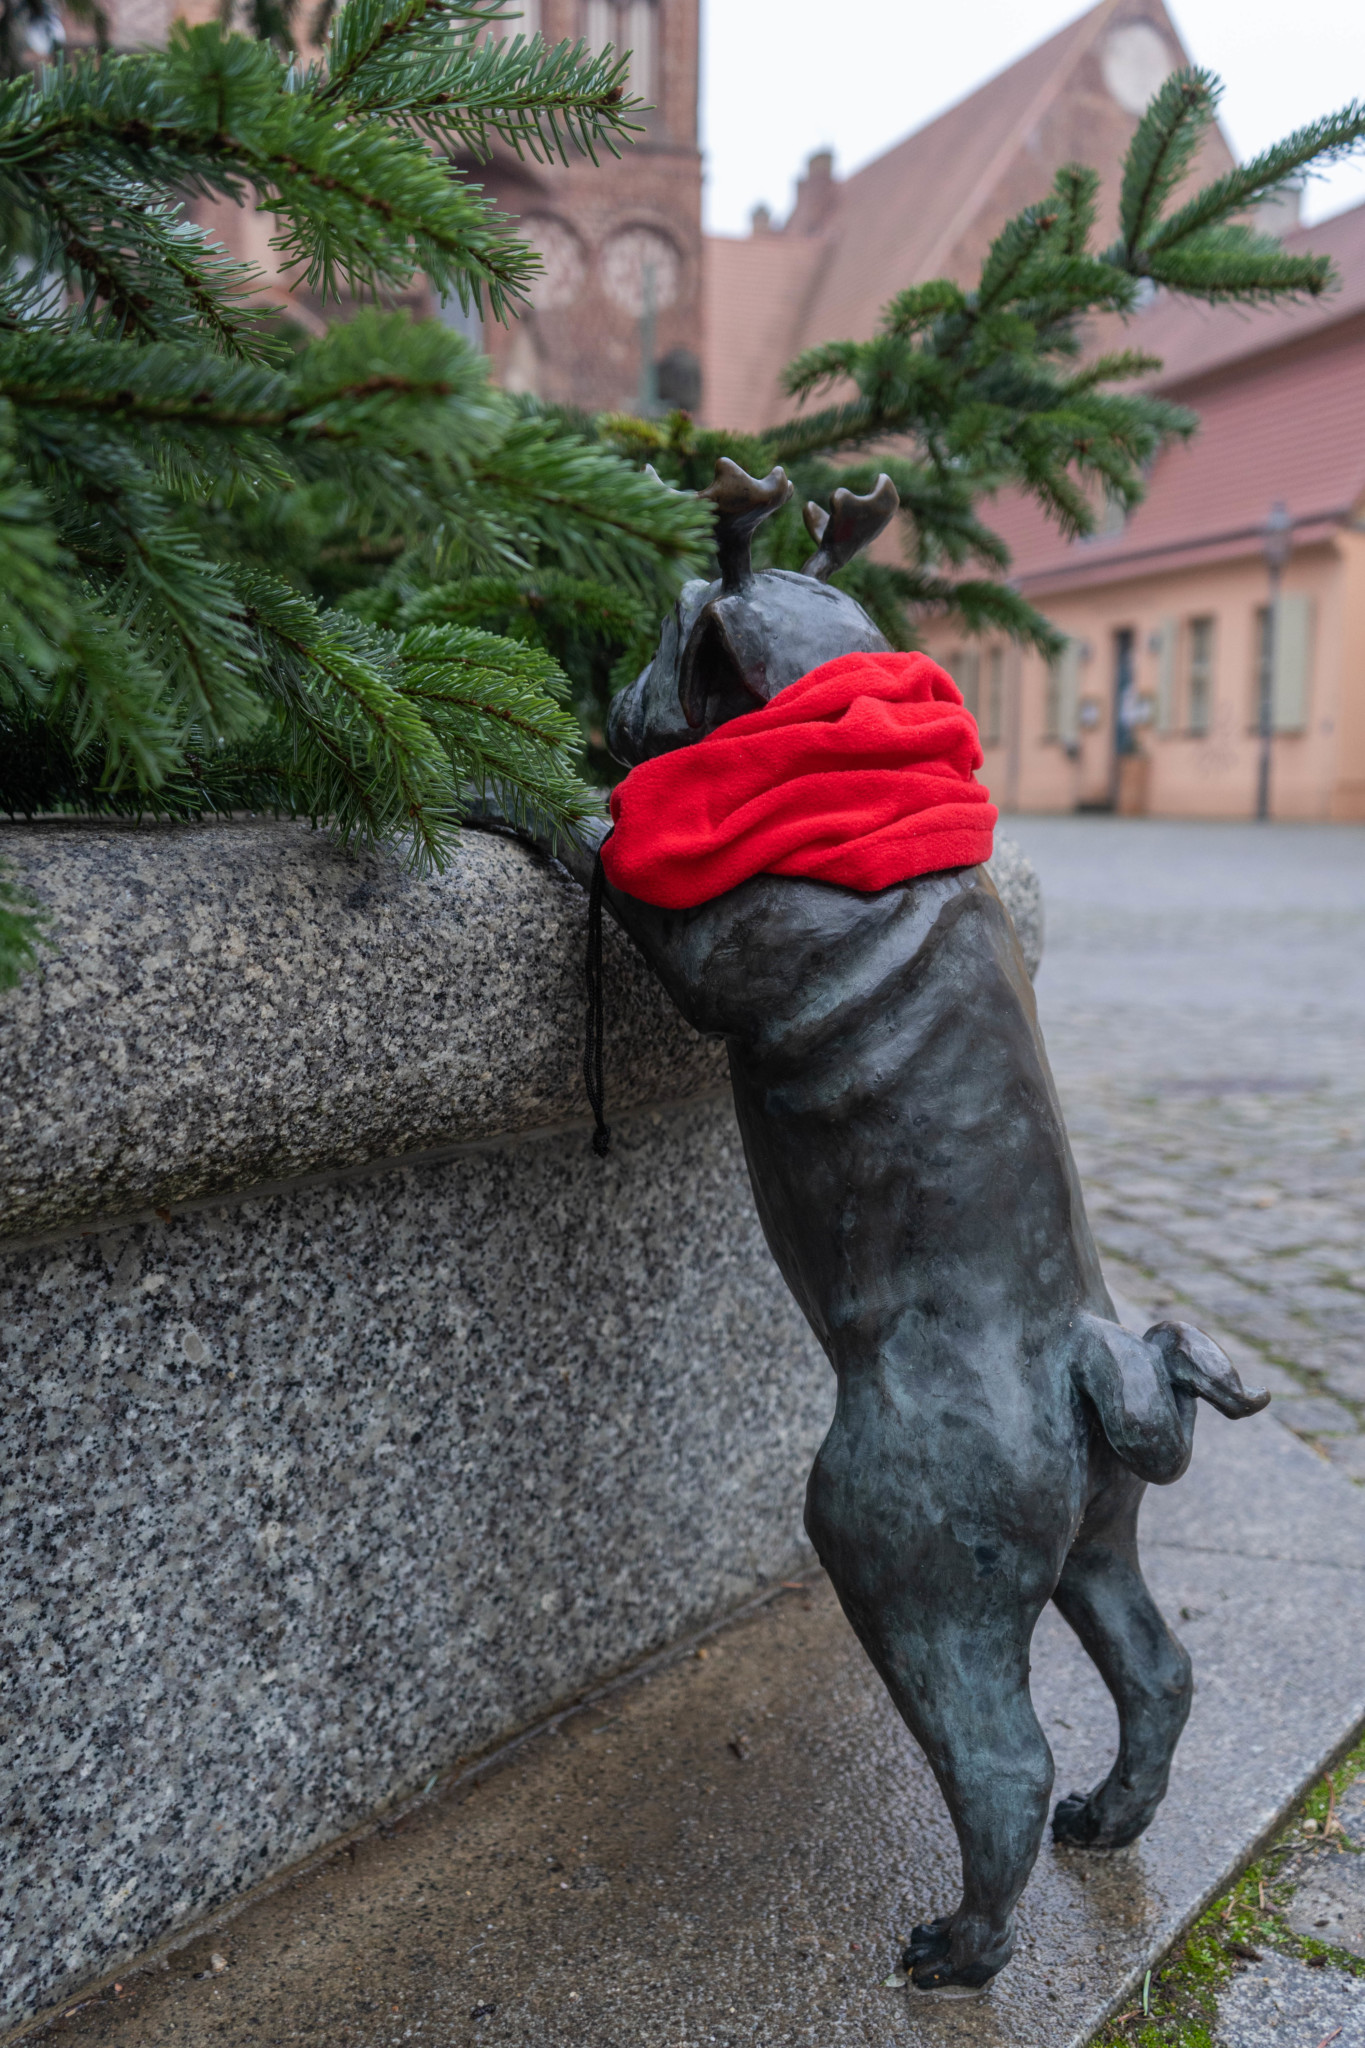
(994, 1425)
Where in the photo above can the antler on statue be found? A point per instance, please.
(742, 503)
(850, 525)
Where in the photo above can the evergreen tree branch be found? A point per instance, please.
(1231, 263)
(364, 34)
(1317, 143)
(541, 101)
(1161, 151)
(369, 761)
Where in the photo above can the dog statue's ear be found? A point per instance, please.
(850, 525)
(723, 672)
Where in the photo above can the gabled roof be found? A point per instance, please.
(902, 217)
(928, 207)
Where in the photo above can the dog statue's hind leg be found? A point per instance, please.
(1104, 1597)
(945, 1606)
(1144, 1391)
(960, 1682)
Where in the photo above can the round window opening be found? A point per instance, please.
(1135, 63)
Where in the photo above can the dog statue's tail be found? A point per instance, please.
(1144, 1389)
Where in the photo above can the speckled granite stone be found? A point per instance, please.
(307, 1495)
(1016, 878)
(234, 1004)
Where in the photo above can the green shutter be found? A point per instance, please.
(1165, 675)
(1293, 664)
(1069, 694)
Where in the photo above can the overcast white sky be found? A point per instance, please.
(784, 77)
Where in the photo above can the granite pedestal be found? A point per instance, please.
(355, 1413)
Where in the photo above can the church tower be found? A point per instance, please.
(616, 320)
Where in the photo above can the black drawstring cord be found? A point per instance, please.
(592, 1049)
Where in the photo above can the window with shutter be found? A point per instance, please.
(1069, 706)
(1062, 708)
(599, 23)
(1199, 678)
(638, 21)
(1292, 671)
(992, 730)
(628, 25)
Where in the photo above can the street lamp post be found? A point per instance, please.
(1278, 544)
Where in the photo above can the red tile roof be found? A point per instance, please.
(756, 294)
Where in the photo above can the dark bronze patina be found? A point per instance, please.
(994, 1425)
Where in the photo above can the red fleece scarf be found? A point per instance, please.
(860, 773)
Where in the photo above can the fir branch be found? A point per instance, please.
(213, 114)
(543, 102)
(494, 705)
(366, 30)
(368, 760)
(1115, 367)
(1013, 255)
(599, 517)
(1161, 151)
(908, 314)
(1232, 263)
(1318, 143)
(986, 607)
(1075, 197)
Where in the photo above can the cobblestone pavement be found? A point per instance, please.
(1203, 997)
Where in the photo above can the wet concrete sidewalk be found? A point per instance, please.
(731, 1848)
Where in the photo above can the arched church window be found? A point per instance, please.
(627, 25)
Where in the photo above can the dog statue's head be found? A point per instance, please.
(730, 646)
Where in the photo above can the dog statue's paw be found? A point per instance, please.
(1098, 1820)
(928, 1943)
(1075, 1821)
(943, 1975)
(927, 1959)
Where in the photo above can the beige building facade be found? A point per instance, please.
(1155, 704)
(1189, 648)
